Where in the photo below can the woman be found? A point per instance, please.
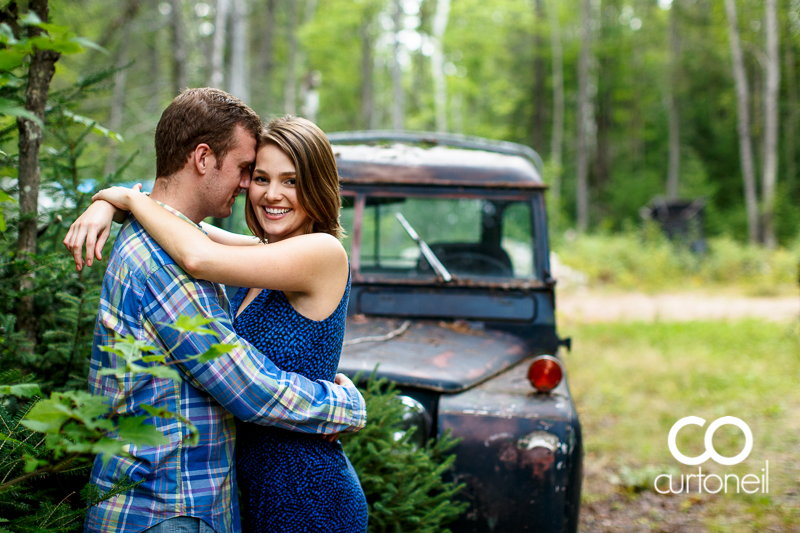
(294, 313)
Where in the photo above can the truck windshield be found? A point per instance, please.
(472, 237)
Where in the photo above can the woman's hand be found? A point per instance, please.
(121, 197)
(93, 228)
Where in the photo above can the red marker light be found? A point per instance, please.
(545, 373)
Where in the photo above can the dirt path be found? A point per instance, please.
(585, 305)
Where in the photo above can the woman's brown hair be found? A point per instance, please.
(317, 179)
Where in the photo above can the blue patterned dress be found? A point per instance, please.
(292, 482)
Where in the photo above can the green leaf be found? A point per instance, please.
(7, 34)
(194, 324)
(135, 431)
(30, 18)
(108, 447)
(129, 348)
(23, 390)
(11, 59)
(86, 121)
(46, 416)
(60, 45)
(6, 438)
(156, 371)
(32, 463)
(153, 358)
(4, 197)
(215, 351)
(20, 112)
(89, 44)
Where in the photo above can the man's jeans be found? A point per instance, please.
(181, 524)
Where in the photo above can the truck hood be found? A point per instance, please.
(440, 356)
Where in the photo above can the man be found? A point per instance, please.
(205, 147)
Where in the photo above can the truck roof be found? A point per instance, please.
(414, 158)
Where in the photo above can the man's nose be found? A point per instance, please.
(244, 183)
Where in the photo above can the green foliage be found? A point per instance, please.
(646, 260)
(403, 483)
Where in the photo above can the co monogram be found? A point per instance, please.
(710, 452)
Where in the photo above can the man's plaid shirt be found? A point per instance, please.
(144, 290)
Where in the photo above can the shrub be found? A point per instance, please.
(403, 483)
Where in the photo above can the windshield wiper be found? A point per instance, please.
(437, 265)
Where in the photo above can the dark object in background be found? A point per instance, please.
(681, 220)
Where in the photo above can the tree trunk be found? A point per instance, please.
(289, 87)
(367, 61)
(604, 122)
(112, 29)
(309, 88)
(556, 141)
(180, 80)
(266, 53)
(437, 64)
(40, 73)
(118, 97)
(217, 78)
(772, 86)
(790, 124)
(240, 51)
(398, 107)
(539, 79)
(582, 193)
(673, 171)
(743, 128)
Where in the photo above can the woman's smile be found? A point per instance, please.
(274, 190)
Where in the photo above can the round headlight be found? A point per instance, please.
(545, 373)
(414, 415)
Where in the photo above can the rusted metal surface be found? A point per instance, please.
(439, 356)
(401, 164)
(465, 352)
(517, 473)
(489, 283)
(520, 457)
(510, 395)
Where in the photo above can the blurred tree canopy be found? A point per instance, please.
(654, 66)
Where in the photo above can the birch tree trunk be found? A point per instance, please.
(290, 84)
(790, 124)
(437, 64)
(582, 192)
(218, 51)
(743, 128)
(180, 80)
(311, 79)
(240, 51)
(539, 78)
(673, 171)
(266, 53)
(772, 86)
(367, 60)
(118, 97)
(398, 107)
(40, 73)
(556, 140)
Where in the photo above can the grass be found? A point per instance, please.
(646, 260)
(633, 381)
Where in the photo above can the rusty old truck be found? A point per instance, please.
(452, 297)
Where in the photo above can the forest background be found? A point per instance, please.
(625, 100)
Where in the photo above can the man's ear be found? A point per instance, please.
(203, 158)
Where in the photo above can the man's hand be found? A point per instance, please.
(344, 381)
(93, 228)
